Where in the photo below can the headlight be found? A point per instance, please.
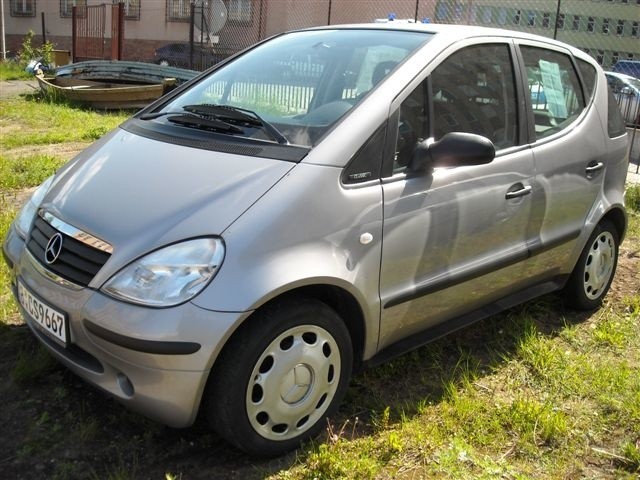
(168, 276)
(25, 217)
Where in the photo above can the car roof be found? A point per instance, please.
(452, 33)
(621, 76)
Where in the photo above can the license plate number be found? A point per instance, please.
(51, 321)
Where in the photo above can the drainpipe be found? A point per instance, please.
(4, 49)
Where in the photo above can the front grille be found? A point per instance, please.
(77, 262)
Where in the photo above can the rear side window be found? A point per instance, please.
(554, 89)
(588, 73)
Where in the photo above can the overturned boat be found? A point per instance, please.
(107, 84)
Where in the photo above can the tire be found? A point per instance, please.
(279, 377)
(592, 276)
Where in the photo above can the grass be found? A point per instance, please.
(31, 121)
(538, 392)
(11, 70)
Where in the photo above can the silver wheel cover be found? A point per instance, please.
(293, 382)
(599, 265)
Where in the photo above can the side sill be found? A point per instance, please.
(449, 326)
(139, 345)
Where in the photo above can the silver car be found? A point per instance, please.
(322, 201)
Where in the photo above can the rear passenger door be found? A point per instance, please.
(568, 149)
(455, 238)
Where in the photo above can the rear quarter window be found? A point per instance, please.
(615, 122)
(588, 74)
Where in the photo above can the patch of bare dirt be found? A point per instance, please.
(14, 88)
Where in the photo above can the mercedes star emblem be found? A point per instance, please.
(54, 247)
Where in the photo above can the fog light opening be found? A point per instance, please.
(125, 385)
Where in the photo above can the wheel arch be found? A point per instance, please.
(618, 217)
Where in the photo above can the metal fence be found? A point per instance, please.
(608, 30)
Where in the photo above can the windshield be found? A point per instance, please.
(301, 83)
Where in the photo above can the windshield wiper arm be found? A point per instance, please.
(237, 114)
(204, 123)
(154, 115)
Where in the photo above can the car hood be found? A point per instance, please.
(139, 194)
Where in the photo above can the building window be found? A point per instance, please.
(531, 19)
(576, 23)
(560, 21)
(635, 27)
(178, 10)
(502, 16)
(131, 9)
(600, 57)
(23, 8)
(591, 25)
(546, 20)
(239, 10)
(516, 17)
(614, 58)
(620, 28)
(442, 12)
(66, 6)
(605, 26)
(486, 16)
(473, 14)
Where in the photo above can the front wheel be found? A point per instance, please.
(592, 276)
(279, 377)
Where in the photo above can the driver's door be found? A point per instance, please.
(456, 238)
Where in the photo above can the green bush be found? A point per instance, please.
(28, 52)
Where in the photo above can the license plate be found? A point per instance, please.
(51, 321)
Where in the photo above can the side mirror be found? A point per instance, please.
(455, 149)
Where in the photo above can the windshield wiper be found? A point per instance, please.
(205, 123)
(235, 115)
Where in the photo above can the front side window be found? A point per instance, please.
(472, 91)
(301, 83)
(556, 95)
(23, 8)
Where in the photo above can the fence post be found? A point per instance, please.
(192, 19)
(74, 33)
(415, 17)
(555, 28)
(329, 14)
(44, 30)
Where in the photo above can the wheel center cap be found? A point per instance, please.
(296, 384)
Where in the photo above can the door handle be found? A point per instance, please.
(594, 167)
(521, 192)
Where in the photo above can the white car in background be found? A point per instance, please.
(626, 89)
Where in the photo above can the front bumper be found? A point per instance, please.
(155, 361)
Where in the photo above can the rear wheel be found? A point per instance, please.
(593, 274)
(279, 377)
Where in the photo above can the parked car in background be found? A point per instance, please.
(326, 200)
(177, 55)
(626, 90)
(628, 67)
